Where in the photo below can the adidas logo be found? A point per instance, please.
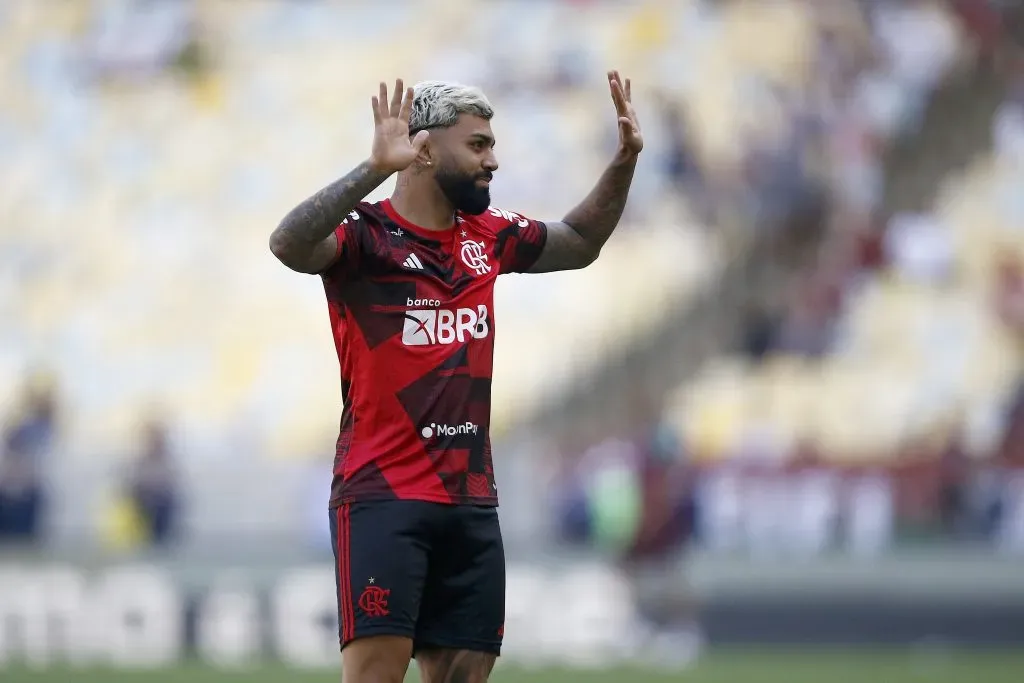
(413, 262)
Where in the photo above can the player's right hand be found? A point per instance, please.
(393, 151)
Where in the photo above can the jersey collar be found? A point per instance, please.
(437, 235)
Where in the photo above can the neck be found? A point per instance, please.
(419, 200)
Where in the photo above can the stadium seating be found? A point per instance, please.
(133, 256)
(914, 358)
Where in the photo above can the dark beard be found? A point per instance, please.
(462, 192)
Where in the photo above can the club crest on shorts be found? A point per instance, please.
(374, 600)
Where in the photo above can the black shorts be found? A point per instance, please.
(431, 572)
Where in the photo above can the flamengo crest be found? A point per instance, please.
(473, 256)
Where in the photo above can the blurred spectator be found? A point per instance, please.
(153, 486)
(21, 500)
(955, 471)
(868, 238)
(666, 519)
(1009, 306)
(27, 443)
(1008, 126)
(681, 166)
(1010, 293)
(33, 433)
(855, 151)
(759, 326)
(982, 19)
(139, 37)
(920, 40)
(920, 248)
(1011, 449)
(807, 329)
(614, 496)
(665, 601)
(630, 496)
(573, 508)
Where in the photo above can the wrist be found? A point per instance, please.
(625, 157)
(378, 169)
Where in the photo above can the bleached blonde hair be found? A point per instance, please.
(437, 104)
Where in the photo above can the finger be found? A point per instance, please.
(619, 98)
(396, 99)
(406, 111)
(629, 90)
(419, 140)
(631, 113)
(376, 109)
(383, 100)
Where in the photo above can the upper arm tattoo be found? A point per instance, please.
(299, 239)
(576, 242)
(564, 249)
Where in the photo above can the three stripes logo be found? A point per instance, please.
(413, 262)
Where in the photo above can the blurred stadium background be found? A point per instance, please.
(775, 434)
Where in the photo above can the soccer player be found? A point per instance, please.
(420, 566)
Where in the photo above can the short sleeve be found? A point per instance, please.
(350, 246)
(520, 240)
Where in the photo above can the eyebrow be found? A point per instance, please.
(482, 136)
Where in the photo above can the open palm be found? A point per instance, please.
(393, 151)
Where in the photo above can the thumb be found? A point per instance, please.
(420, 139)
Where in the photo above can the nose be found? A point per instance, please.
(490, 162)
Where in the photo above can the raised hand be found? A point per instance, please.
(393, 151)
(631, 140)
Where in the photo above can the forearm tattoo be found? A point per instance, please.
(315, 219)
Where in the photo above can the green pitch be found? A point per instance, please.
(925, 666)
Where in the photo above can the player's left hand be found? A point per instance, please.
(631, 140)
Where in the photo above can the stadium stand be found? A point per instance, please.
(141, 185)
(141, 190)
(918, 350)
